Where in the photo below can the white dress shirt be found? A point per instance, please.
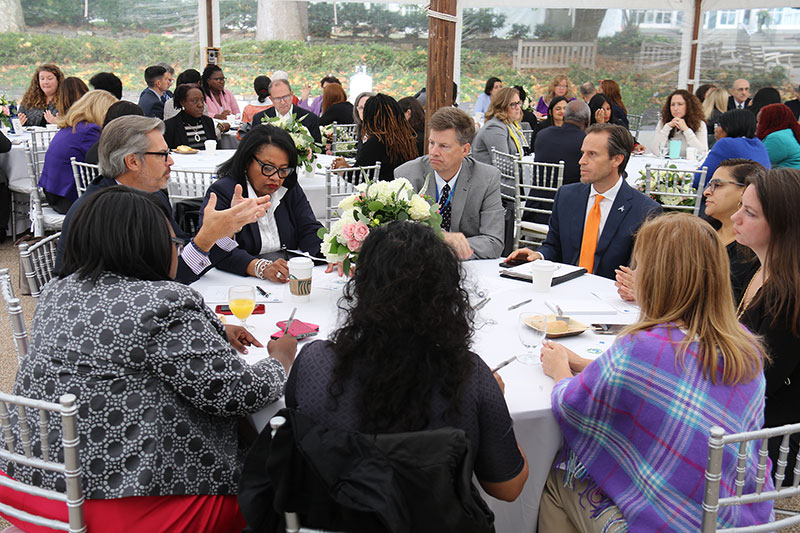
(288, 115)
(267, 227)
(605, 204)
(440, 183)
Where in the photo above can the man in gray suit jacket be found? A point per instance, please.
(467, 191)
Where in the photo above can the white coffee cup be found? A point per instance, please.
(300, 278)
(52, 126)
(542, 271)
(691, 153)
(211, 147)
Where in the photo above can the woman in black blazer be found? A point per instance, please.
(189, 127)
(264, 163)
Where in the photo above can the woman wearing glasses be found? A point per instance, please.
(502, 129)
(219, 100)
(190, 127)
(264, 164)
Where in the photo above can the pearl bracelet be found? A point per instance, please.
(261, 267)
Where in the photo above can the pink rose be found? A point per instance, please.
(5, 110)
(354, 245)
(347, 231)
(361, 231)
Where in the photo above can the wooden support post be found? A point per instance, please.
(698, 18)
(441, 54)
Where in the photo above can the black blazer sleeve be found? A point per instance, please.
(174, 132)
(5, 144)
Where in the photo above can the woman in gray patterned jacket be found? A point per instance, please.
(160, 389)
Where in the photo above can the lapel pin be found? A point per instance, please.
(621, 208)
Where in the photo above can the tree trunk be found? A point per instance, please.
(12, 21)
(557, 17)
(280, 20)
(587, 24)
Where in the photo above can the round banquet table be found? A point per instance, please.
(527, 389)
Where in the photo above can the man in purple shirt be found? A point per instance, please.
(316, 105)
(133, 152)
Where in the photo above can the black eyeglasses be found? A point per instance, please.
(179, 244)
(714, 184)
(515, 104)
(270, 170)
(165, 155)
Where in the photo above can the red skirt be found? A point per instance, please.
(148, 514)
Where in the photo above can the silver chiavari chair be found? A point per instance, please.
(507, 165)
(345, 139)
(536, 189)
(83, 173)
(188, 184)
(672, 187)
(634, 125)
(18, 328)
(341, 183)
(44, 217)
(38, 262)
(32, 449)
(717, 441)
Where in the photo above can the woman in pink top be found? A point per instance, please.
(219, 101)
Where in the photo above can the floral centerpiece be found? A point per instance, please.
(678, 184)
(7, 109)
(326, 132)
(306, 146)
(375, 203)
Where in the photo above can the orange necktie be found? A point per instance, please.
(589, 242)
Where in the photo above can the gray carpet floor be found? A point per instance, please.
(8, 358)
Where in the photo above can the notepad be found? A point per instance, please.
(591, 306)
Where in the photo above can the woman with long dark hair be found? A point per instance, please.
(39, 104)
(780, 133)
(601, 111)
(69, 92)
(768, 222)
(265, 163)
(373, 376)
(220, 102)
(415, 114)
(160, 390)
(555, 113)
(390, 138)
(682, 120)
(610, 89)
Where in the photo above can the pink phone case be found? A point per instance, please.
(298, 330)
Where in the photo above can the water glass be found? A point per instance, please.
(532, 329)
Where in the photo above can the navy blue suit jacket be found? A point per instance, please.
(563, 242)
(305, 117)
(184, 275)
(151, 104)
(561, 144)
(297, 226)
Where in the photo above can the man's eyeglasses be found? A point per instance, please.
(165, 155)
(285, 98)
(179, 244)
(268, 170)
(515, 104)
(714, 184)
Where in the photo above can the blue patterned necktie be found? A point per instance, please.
(445, 207)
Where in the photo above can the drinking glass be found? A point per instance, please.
(531, 337)
(242, 301)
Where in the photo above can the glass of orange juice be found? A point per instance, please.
(242, 301)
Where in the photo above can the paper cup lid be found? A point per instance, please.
(300, 262)
(543, 265)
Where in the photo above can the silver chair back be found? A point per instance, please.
(634, 125)
(536, 189)
(672, 188)
(345, 139)
(83, 173)
(188, 184)
(528, 134)
(44, 218)
(38, 262)
(341, 183)
(507, 165)
(717, 441)
(22, 452)
(18, 328)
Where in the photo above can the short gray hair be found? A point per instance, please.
(282, 81)
(587, 89)
(121, 137)
(577, 112)
(169, 68)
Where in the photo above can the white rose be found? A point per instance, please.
(348, 217)
(361, 187)
(326, 247)
(419, 209)
(401, 184)
(348, 203)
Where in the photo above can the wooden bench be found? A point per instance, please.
(554, 54)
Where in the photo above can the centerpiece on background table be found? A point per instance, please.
(374, 203)
(676, 182)
(306, 146)
(8, 109)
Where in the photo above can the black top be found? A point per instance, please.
(420, 142)
(783, 375)
(794, 105)
(91, 155)
(619, 116)
(5, 144)
(744, 265)
(373, 151)
(175, 131)
(483, 412)
(341, 113)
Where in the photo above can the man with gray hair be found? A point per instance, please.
(132, 152)
(280, 92)
(587, 91)
(467, 191)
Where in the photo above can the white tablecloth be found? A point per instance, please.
(313, 185)
(527, 388)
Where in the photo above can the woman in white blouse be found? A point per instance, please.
(682, 119)
(265, 164)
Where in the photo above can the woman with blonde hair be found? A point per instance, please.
(38, 106)
(80, 129)
(646, 404)
(335, 107)
(559, 86)
(502, 129)
(715, 105)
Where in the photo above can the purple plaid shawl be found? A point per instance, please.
(638, 421)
